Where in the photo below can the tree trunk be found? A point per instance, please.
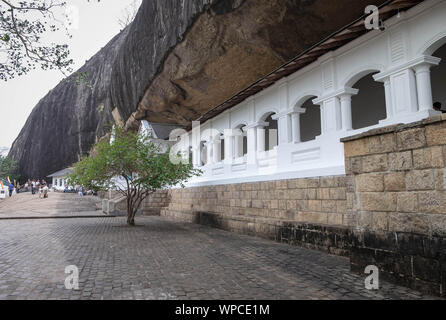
(130, 217)
(133, 205)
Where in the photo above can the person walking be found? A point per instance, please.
(44, 189)
(33, 187)
(11, 189)
(40, 186)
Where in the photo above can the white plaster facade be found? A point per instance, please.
(59, 179)
(400, 59)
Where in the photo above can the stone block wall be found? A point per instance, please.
(398, 201)
(153, 204)
(389, 210)
(399, 177)
(315, 200)
(115, 204)
(291, 211)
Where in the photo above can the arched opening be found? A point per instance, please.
(310, 121)
(271, 133)
(438, 78)
(203, 153)
(222, 147)
(369, 105)
(240, 142)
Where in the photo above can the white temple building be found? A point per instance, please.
(292, 128)
(59, 179)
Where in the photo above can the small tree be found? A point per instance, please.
(134, 166)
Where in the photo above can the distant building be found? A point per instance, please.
(159, 133)
(59, 178)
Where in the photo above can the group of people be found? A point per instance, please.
(39, 186)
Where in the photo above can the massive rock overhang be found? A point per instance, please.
(334, 41)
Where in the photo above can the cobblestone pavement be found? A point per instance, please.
(56, 205)
(162, 259)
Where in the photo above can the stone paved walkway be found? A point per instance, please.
(56, 205)
(162, 259)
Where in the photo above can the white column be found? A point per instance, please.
(252, 145)
(408, 88)
(346, 111)
(196, 157)
(331, 119)
(238, 145)
(196, 143)
(345, 100)
(295, 119)
(285, 129)
(209, 146)
(424, 88)
(216, 150)
(228, 146)
(260, 139)
(388, 93)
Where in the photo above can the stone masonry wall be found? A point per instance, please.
(389, 210)
(153, 204)
(114, 203)
(298, 211)
(400, 178)
(399, 202)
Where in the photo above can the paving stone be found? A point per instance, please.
(164, 259)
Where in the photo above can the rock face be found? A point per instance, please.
(177, 60)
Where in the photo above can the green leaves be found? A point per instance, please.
(8, 168)
(132, 165)
(26, 25)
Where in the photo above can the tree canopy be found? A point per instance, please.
(24, 26)
(133, 165)
(8, 168)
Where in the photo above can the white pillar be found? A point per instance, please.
(295, 118)
(346, 111)
(388, 93)
(238, 145)
(196, 156)
(228, 146)
(252, 145)
(424, 87)
(216, 150)
(260, 139)
(209, 146)
(331, 119)
(285, 129)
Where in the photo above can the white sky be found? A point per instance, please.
(98, 23)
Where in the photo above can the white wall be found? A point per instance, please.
(397, 93)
